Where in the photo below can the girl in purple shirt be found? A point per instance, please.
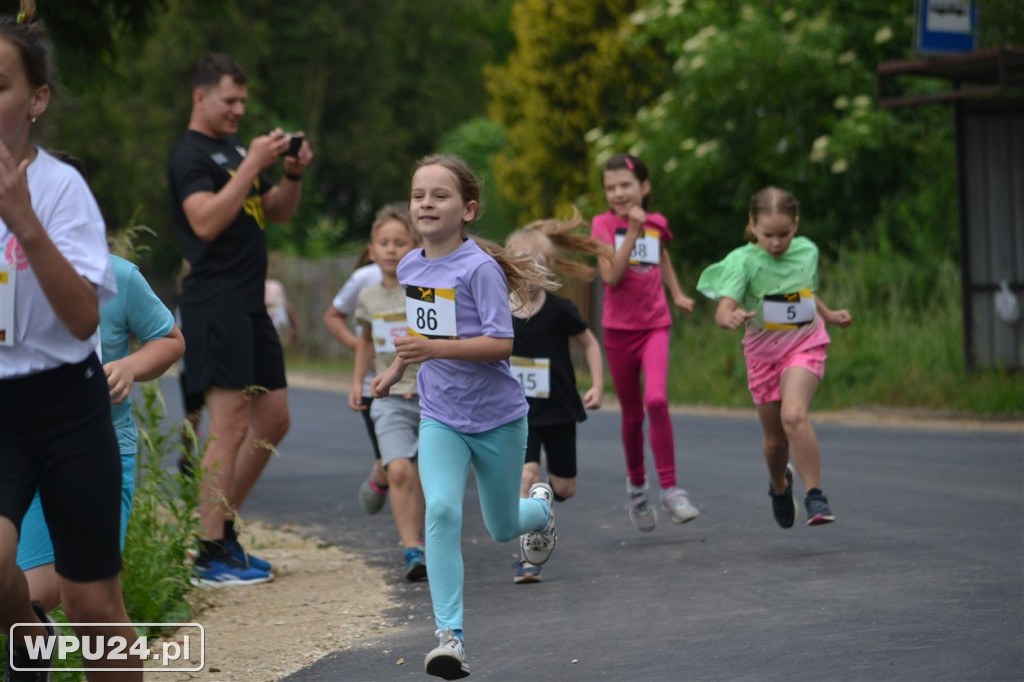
(473, 411)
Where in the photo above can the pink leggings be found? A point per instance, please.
(630, 354)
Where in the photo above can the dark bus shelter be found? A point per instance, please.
(987, 94)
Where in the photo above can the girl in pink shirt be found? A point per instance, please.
(636, 321)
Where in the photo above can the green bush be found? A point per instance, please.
(157, 570)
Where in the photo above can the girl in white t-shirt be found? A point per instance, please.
(55, 425)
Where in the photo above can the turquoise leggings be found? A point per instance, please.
(445, 457)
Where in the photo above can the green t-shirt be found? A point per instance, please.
(784, 286)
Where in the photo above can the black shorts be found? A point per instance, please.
(231, 350)
(559, 442)
(56, 433)
(192, 402)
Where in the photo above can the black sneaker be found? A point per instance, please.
(783, 504)
(21, 659)
(818, 512)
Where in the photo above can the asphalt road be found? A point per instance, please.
(920, 578)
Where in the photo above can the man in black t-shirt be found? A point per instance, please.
(222, 200)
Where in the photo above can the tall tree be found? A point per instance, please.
(574, 68)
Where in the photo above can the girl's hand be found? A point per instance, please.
(381, 385)
(15, 200)
(637, 218)
(592, 399)
(736, 318)
(355, 399)
(120, 379)
(839, 317)
(684, 302)
(414, 349)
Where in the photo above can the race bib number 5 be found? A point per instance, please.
(789, 311)
(646, 249)
(431, 312)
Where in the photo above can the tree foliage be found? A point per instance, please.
(573, 67)
(774, 93)
(374, 85)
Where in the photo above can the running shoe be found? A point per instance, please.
(372, 496)
(18, 658)
(783, 504)
(448, 659)
(415, 564)
(537, 545)
(818, 512)
(677, 505)
(641, 513)
(234, 548)
(226, 570)
(525, 572)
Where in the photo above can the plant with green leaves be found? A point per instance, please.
(781, 94)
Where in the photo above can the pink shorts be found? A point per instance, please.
(763, 377)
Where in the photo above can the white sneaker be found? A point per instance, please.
(537, 545)
(678, 506)
(448, 660)
(641, 513)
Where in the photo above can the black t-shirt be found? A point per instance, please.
(229, 272)
(546, 334)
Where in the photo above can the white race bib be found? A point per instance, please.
(789, 311)
(7, 277)
(533, 374)
(431, 312)
(385, 328)
(646, 249)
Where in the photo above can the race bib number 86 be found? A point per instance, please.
(431, 312)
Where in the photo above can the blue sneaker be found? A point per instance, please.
(525, 572)
(234, 549)
(226, 570)
(415, 564)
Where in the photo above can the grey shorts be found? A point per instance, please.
(397, 422)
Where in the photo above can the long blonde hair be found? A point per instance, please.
(554, 239)
(520, 271)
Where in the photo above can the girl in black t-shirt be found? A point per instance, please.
(544, 324)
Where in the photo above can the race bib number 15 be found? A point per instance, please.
(533, 374)
(431, 312)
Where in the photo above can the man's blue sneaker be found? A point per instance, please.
(415, 564)
(234, 548)
(226, 570)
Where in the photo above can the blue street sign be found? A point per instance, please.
(945, 26)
